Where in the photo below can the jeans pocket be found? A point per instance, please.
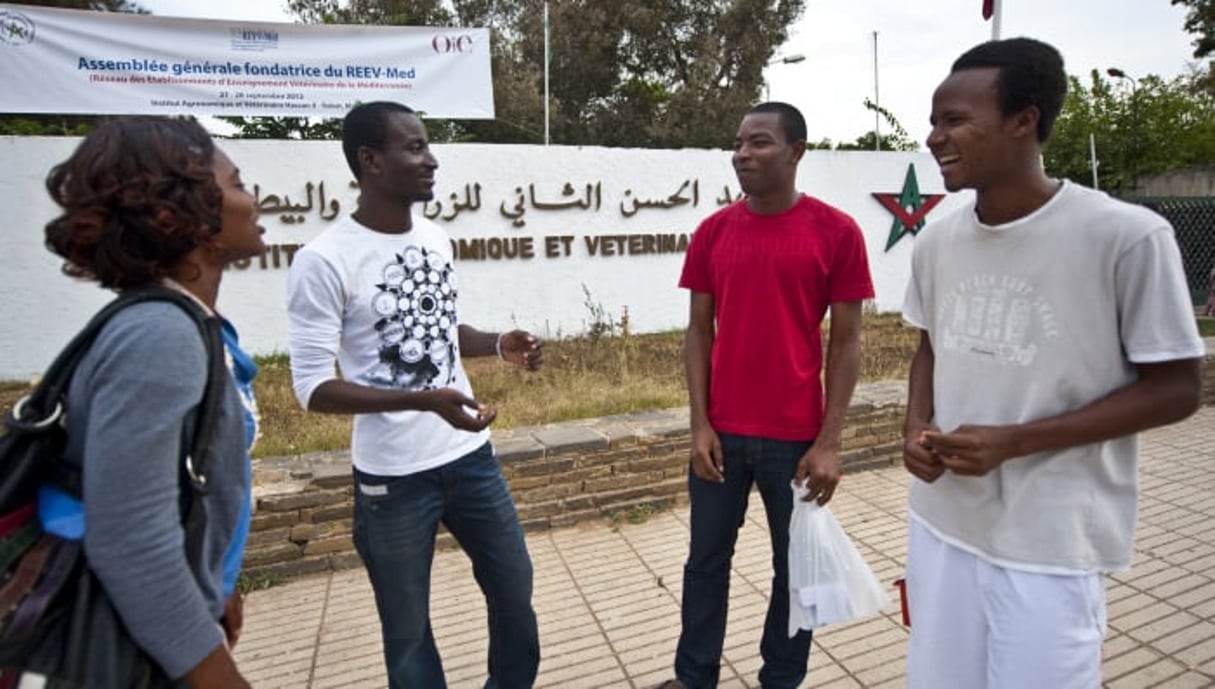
(371, 491)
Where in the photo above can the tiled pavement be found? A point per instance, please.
(608, 597)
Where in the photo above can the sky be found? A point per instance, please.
(917, 41)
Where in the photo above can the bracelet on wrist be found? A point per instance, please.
(498, 346)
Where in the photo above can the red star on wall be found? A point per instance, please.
(909, 207)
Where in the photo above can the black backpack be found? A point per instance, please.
(55, 618)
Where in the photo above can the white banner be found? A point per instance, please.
(77, 62)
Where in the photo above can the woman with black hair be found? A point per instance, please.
(151, 201)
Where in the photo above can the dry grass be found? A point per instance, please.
(581, 377)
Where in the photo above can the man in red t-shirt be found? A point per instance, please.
(762, 273)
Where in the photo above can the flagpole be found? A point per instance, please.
(877, 122)
(997, 7)
(546, 59)
(1092, 156)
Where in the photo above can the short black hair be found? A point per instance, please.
(1031, 73)
(365, 125)
(791, 119)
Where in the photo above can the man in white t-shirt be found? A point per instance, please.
(376, 294)
(1055, 325)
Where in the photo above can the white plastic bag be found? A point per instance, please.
(829, 581)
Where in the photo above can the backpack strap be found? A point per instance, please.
(194, 465)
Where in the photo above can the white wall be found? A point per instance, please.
(41, 308)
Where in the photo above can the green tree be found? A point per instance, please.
(864, 142)
(1200, 21)
(285, 127)
(61, 125)
(656, 73)
(1150, 126)
(897, 140)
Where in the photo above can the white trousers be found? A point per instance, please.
(975, 625)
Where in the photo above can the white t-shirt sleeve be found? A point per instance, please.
(913, 300)
(315, 304)
(1156, 318)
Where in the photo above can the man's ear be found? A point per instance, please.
(367, 160)
(1025, 123)
(799, 150)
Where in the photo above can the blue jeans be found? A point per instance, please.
(718, 510)
(394, 532)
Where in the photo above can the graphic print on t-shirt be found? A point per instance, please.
(416, 305)
(996, 317)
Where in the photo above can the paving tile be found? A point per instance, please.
(1152, 631)
(1194, 599)
(1187, 680)
(294, 661)
(660, 640)
(823, 669)
(354, 672)
(648, 660)
(881, 673)
(1200, 656)
(575, 675)
(1130, 605)
(1148, 675)
(843, 683)
(1204, 609)
(894, 652)
(298, 645)
(843, 634)
(651, 679)
(1117, 644)
(1185, 638)
(283, 679)
(1183, 584)
(1128, 662)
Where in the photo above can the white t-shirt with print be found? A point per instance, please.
(383, 307)
(1028, 320)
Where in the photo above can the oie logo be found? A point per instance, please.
(443, 43)
(15, 28)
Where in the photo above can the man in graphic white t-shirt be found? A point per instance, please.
(1056, 324)
(376, 294)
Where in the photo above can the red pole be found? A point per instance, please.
(901, 585)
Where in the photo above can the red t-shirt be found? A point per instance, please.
(772, 278)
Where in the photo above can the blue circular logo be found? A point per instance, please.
(15, 28)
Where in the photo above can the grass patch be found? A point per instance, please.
(286, 429)
(1206, 326)
(612, 372)
(639, 514)
(246, 583)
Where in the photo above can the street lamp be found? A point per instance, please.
(1133, 158)
(786, 60)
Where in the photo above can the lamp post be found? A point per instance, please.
(787, 60)
(547, 48)
(1133, 158)
(877, 101)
